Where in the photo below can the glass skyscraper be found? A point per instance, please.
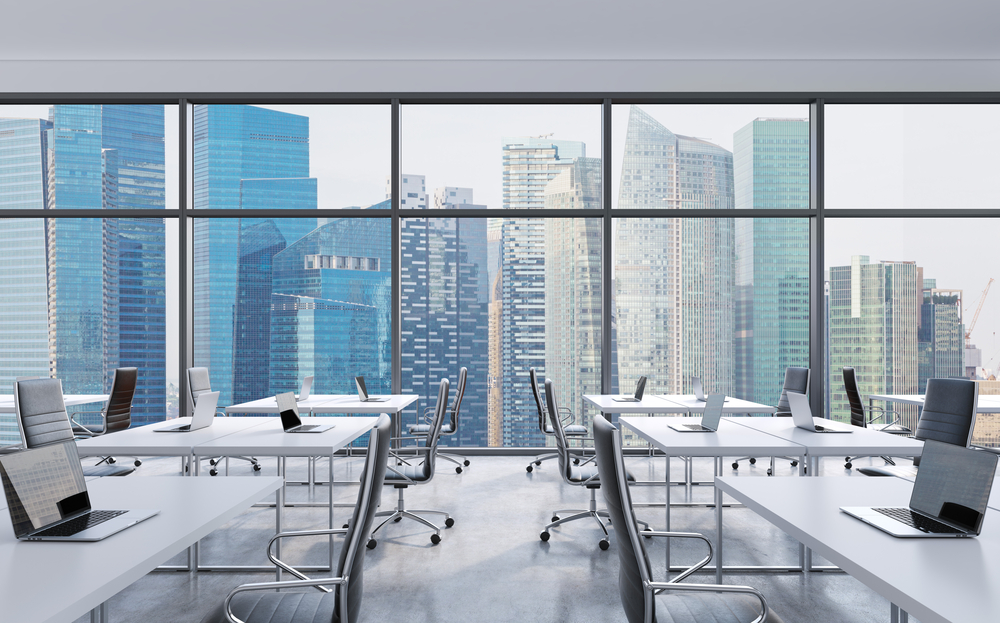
(941, 334)
(771, 170)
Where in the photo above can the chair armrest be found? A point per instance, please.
(684, 535)
(289, 568)
(78, 428)
(261, 586)
(400, 474)
(659, 587)
(566, 415)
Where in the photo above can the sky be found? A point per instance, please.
(883, 156)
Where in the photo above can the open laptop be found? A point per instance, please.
(699, 391)
(803, 418)
(307, 384)
(363, 391)
(290, 416)
(709, 419)
(639, 388)
(949, 495)
(48, 500)
(204, 415)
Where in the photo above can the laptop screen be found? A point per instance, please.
(713, 411)
(362, 390)
(43, 486)
(953, 483)
(289, 412)
(640, 387)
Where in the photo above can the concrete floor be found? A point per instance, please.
(492, 566)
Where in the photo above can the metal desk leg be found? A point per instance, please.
(330, 538)
(897, 614)
(803, 552)
(194, 551)
(99, 614)
(718, 524)
(279, 503)
(667, 505)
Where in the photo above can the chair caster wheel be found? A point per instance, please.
(371, 543)
(544, 535)
(847, 459)
(466, 462)
(213, 472)
(736, 465)
(345, 526)
(848, 465)
(794, 463)
(397, 520)
(528, 468)
(538, 462)
(449, 522)
(647, 535)
(604, 544)
(769, 472)
(111, 460)
(576, 461)
(555, 518)
(211, 461)
(256, 467)
(138, 462)
(753, 461)
(805, 470)
(435, 538)
(458, 470)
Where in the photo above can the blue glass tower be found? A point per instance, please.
(244, 157)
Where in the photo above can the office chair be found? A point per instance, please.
(643, 599)
(199, 383)
(402, 476)
(796, 380)
(581, 476)
(572, 431)
(117, 413)
(859, 418)
(42, 420)
(448, 428)
(948, 416)
(342, 604)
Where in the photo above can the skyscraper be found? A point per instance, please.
(941, 344)
(251, 157)
(771, 170)
(674, 277)
(529, 164)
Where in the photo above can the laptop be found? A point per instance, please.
(204, 415)
(709, 419)
(307, 384)
(699, 391)
(639, 388)
(290, 416)
(48, 500)
(803, 418)
(949, 495)
(363, 391)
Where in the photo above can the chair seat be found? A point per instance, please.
(413, 472)
(108, 470)
(573, 430)
(579, 474)
(96, 429)
(892, 429)
(446, 429)
(267, 607)
(677, 607)
(890, 470)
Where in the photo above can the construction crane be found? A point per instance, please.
(975, 317)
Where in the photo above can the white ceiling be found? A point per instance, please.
(500, 30)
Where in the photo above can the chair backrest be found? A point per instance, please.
(796, 380)
(198, 383)
(562, 445)
(434, 432)
(459, 394)
(538, 399)
(949, 412)
(633, 562)
(41, 412)
(118, 412)
(352, 555)
(854, 398)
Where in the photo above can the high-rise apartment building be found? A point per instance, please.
(529, 164)
(674, 277)
(941, 334)
(771, 170)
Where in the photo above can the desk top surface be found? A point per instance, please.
(936, 580)
(987, 403)
(330, 403)
(143, 440)
(52, 582)
(863, 441)
(270, 440)
(730, 439)
(656, 403)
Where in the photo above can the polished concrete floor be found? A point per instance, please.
(492, 566)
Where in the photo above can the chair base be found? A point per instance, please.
(593, 512)
(401, 512)
(457, 459)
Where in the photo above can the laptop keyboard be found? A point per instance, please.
(306, 428)
(918, 521)
(81, 523)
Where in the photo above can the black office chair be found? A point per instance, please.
(117, 413)
(571, 430)
(796, 380)
(200, 383)
(402, 476)
(643, 599)
(42, 420)
(948, 416)
(342, 604)
(448, 428)
(860, 418)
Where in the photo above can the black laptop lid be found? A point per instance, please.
(43, 486)
(640, 387)
(288, 410)
(953, 483)
(362, 390)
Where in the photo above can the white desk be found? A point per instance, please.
(986, 403)
(730, 440)
(48, 582)
(936, 580)
(654, 403)
(71, 400)
(332, 403)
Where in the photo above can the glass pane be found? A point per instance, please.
(726, 300)
(506, 154)
(291, 157)
(81, 298)
(88, 156)
(276, 300)
(912, 156)
(903, 308)
(718, 157)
